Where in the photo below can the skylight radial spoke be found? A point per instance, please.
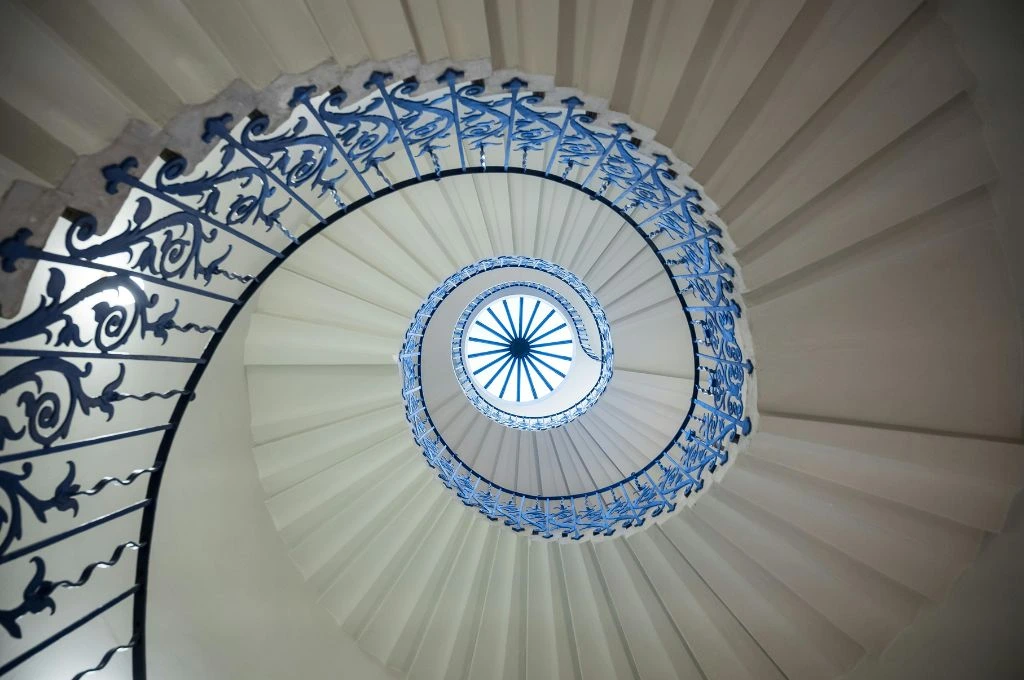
(511, 322)
(549, 374)
(492, 363)
(498, 372)
(501, 324)
(540, 325)
(519, 329)
(493, 351)
(549, 354)
(529, 379)
(536, 306)
(544, 363)
(529, 360)
(489, 342)
(553, 330)
(525, 333)
(519, 378)
(491, 330)
(508, 376)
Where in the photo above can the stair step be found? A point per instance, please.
(654, 642)
(276, 341)
(920, 551)
(800, 642)
(284, 462)
(862, 603)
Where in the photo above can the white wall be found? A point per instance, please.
(224, 599)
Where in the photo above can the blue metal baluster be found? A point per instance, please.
(303, 94)
(570, 103)
(692, 437)
(169, 246)
(682, 470)
(104, 439)
(379, 79)
(659, 159)
(576, 535)
(449, 76)
(689, 195)
(726, 272)
(699, 240)
(218, 127)
(627, 499)
(519, 512)
(15, 248)
(730, 308)
(743, 424)
(620, 129)
(109, 655)
(609, 526)
(56, 309)
(81, 528)
(669, 505)
(118, 174)
(28, 654)
(746, 365)
(512, 86)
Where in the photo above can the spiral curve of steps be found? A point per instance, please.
(794, 565)
(838, 143)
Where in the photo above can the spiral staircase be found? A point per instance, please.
(791, 217)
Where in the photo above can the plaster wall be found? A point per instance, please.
(224, 599)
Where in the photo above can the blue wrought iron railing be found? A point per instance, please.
(112, 353)
(524, 346)
(409, 359)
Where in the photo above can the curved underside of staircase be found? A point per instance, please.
(838, 144)
(820, 543)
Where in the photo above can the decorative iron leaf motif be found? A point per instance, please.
(232, 193)
(364, 132)
(169, 247)
(48, 406)
(35, 598)
(300, 157)
(13, 487)
(119, 305)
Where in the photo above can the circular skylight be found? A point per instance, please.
(519, 348)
